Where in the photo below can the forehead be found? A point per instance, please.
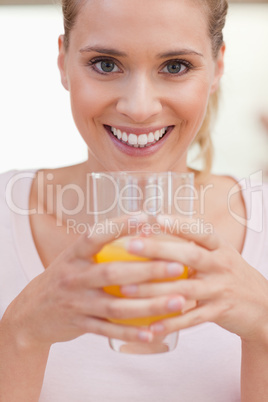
(151, 23)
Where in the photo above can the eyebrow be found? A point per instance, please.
(97, 49)
(114, 52)
(182, 52)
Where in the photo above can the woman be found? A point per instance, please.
(133, 68)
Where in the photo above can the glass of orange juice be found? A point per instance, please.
(114, 194)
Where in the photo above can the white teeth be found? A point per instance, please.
(124, 136)
(119, 134)
(139, 141)
(156, 135)
(132, 139)
(151, 137)
(142, 139)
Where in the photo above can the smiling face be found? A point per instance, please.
(140, 74)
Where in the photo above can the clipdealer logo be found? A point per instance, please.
(150, 199)
(250, 187)
(170, 226)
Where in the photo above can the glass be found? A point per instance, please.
(114, 194)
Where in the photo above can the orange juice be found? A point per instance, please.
(115, 252)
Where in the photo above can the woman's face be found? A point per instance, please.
(140, 74)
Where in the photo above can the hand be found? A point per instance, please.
(67, 300)
(227, 290)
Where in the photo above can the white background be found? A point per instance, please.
(36, 126)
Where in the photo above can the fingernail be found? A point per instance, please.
(157, 328)
(145, 336)
(176, 304)
(175, 269)
(129, 289)
(135, 245)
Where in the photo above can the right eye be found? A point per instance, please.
(103, 66)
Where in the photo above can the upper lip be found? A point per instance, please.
(138, 131)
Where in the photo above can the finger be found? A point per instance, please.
(118, 308)
(123, 332)
(92, 242)
(193, 317)
(188, 230)
(125, 273)
(190, 289)
(186, 253)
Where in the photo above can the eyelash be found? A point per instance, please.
(96, 60)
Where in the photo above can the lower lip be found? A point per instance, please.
(132, 151)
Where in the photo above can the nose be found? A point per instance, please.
(139, 102)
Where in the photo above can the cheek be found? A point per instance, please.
(191, 103)
(87, 95)
(85, 99)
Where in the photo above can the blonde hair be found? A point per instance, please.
(215, 11)
(70, 10)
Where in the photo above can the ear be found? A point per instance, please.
(61, 62)
(219, 69)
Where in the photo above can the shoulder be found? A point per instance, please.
(11, 178)
(14, 185)
(15, 182)
(235, 191)
(5, 180)
(5, 177)
(219, 194)
(220, 202)
(238, 195)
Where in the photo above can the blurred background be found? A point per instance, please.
(36, 126)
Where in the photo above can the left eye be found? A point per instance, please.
(175, 67)
(106, 66)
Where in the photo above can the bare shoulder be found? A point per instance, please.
(222, 201)
(49, 182)
(48, 195)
